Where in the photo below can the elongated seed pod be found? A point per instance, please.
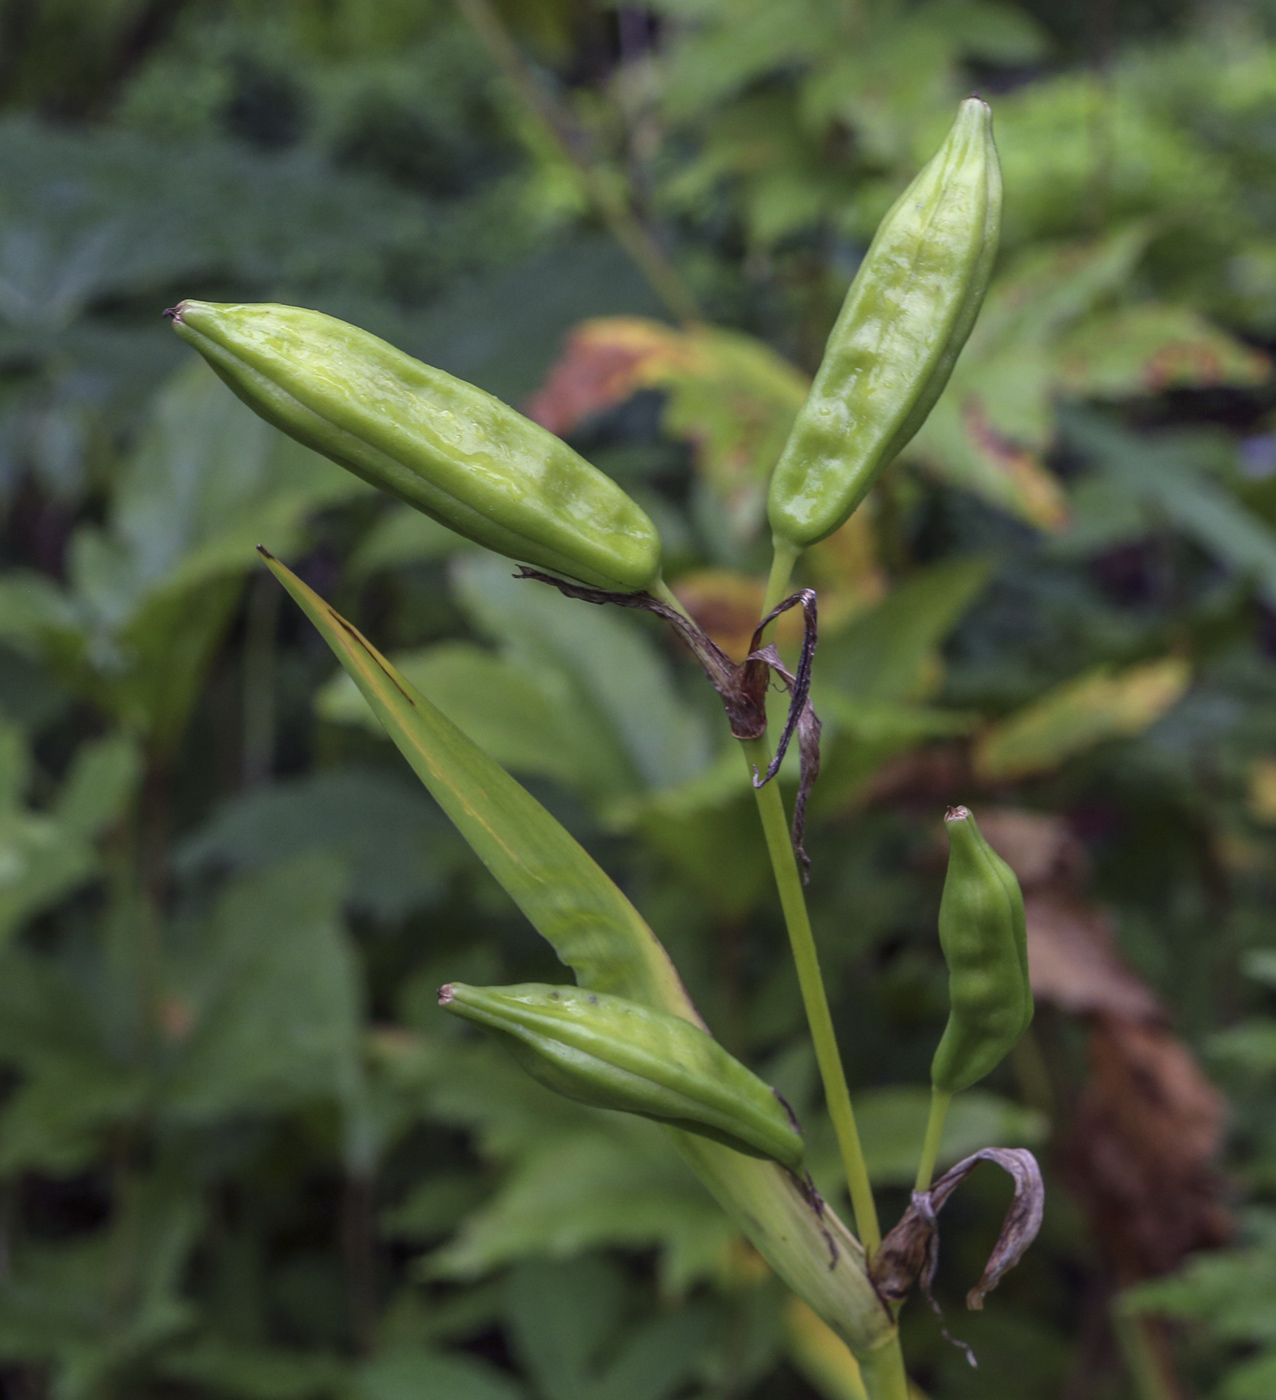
(906, 317)
(441, 445)
(608, 1052)
(983, 935)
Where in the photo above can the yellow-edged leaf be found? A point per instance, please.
(1102, 704)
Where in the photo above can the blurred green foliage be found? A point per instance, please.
(241, 1154)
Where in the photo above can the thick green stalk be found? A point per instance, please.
(883, 1372)
(939, 1102)
(775, 827)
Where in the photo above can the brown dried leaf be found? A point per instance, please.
(1073, 962)
(1143, 1150)
(1072, 954)
(1040, 848)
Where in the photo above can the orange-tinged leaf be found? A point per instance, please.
(732, 397)
(1103, 704)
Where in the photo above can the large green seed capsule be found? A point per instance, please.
(441, 445)
(608, 1052)
(905, 319)
(983, 935)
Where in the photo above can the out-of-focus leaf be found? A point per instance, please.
(272, 1016)
(728, 604)
(57, 1121)
(413, 1373)
(590, 1189)
(1104, 704)
(859, 737)
(64, 1305)
(885, 654)
(1045, 333)
(208, 482)
(1170, 476)
(100, 782)
(385, 833)
(597, 663)
(42, 857)
(1261, 795)
(404, 536)
(254, 1372)
(508, 711)
(567, 1325)
(1228, 1289)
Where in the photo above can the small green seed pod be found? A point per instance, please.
(906, 317)
(441, 445)
(983, 935)
(609, 1052)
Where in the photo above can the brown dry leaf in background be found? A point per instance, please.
(1142, 1151)
(728, 604)
(1072, 952)
(1142, 1154)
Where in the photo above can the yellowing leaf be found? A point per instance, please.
(1103, 704)
(963, 443)
(1261, 797)
(1145, 349)
(821, 1356)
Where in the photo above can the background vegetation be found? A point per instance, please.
(240, 1153)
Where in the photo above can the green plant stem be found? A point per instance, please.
(628, 230)
(660, 589)
(1143, 1359)
(939, 1102)
(782, 562)
(775, 828)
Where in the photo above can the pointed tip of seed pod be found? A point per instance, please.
(174, 313)
(446, 993)
(265, 553)
(957, 814)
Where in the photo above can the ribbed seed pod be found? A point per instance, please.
(609, 1052)
(983, 935)
(906, 317)
(441, 445)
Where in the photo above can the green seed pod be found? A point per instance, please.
(983, 935)
(906, 317)
(441, 445)
(609, 1052)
